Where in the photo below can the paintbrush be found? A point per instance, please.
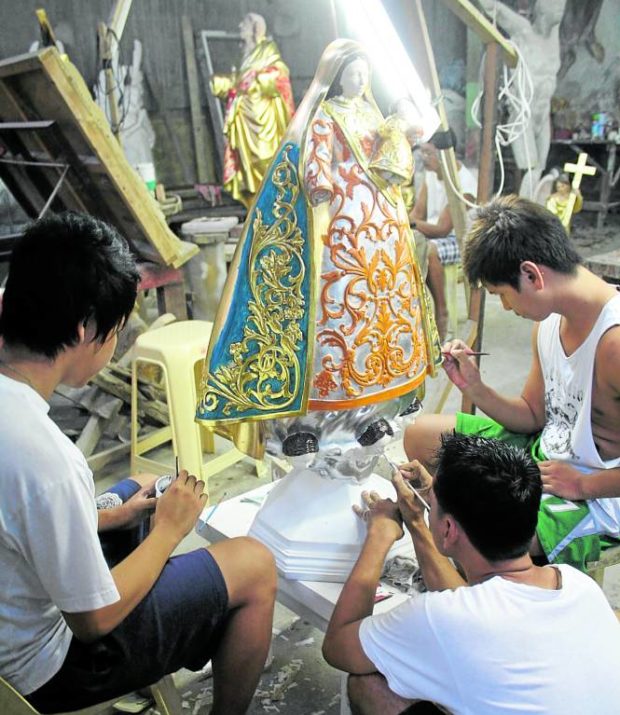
(212, 512)
(413, 489)
(472, 352)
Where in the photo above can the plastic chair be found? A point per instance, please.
(164, 691)
(453, 275)
(179, 350)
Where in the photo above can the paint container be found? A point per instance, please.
(599, 126)
(163, 483)
(146, 171)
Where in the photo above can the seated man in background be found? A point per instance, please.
(568, 413)
(431, 216)
(510, 637)
(75, 630)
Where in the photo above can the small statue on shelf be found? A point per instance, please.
(259, 105)
(558, 202)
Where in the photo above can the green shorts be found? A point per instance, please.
(565, 528)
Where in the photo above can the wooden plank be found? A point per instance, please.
(486, 177)
(198, 130)
(477, 22)
(100, 459)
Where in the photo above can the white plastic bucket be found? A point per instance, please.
(147, 174)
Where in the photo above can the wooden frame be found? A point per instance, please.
(48, 119)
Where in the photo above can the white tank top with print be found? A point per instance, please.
(567, 434)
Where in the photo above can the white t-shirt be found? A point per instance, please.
(501, 648)
(50, 555)
(436, 198)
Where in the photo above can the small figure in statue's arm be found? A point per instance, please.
(392, 157)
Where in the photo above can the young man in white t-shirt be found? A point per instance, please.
(74, 629)
(510, 637)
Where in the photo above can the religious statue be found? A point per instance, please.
(539, 43)
(324, 322)
(259, 105)
(560, 203)
(136, 134)
(579, 28)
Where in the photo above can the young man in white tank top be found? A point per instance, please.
(568, 413)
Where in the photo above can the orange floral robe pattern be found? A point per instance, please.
(373, 337)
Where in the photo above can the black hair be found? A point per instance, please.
(492, 489)
(444, 139)
(335, 89)
(511, 230)
(65, 270)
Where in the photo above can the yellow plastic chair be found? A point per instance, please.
(179, 350)
(166, 696)
(453, 275)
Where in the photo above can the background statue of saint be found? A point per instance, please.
(259, 105)
(539, 43)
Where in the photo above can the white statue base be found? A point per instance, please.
(308, 523)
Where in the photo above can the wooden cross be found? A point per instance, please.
(579, 169)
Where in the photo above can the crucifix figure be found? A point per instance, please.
(539, 43)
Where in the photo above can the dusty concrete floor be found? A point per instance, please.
(298, 681)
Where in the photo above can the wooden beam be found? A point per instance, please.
(486, 176)
(457, 208)
(487, 32)
(200, 146)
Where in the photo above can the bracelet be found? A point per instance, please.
(413, 224)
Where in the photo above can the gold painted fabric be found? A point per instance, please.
(259, 107)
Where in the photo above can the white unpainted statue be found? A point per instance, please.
(539, 43)
(137, 136)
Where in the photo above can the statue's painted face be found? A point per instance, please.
(354, 78)
(562, 187)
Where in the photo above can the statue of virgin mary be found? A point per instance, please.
(324, 307)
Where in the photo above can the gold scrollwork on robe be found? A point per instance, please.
(264, 373)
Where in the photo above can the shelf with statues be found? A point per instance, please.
(602, 154)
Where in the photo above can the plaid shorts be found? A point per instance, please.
(447, 249)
